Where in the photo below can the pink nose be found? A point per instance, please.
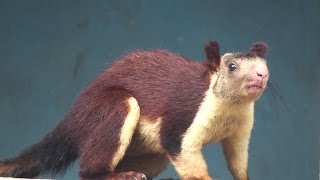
(262, 71)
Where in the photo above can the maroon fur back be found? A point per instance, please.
(156, 79)
(165, 85)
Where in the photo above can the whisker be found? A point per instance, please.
(274, 90)
(272, 97)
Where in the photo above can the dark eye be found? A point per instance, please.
(232, 66)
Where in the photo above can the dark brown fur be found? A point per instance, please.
(259, 48)
(212, 51)
(170, 86)
(164, 84)
(98, 147)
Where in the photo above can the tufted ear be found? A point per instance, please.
(259, 48)
(213, 55)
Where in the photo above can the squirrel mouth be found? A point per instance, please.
(255, 88)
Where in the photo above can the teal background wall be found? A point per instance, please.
(49, 50)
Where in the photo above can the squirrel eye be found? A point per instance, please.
(232, 66)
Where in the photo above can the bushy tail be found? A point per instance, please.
(52, 155)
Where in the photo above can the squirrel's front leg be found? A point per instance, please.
(186, 156)
(190, 164)
(235, 148)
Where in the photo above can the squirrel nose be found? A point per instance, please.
(262, 71)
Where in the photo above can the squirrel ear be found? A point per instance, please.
(259, 48)
(213, 55)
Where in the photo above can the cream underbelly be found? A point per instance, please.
(146, 138)
(215, 120)
(221, 129)
(216, 127)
